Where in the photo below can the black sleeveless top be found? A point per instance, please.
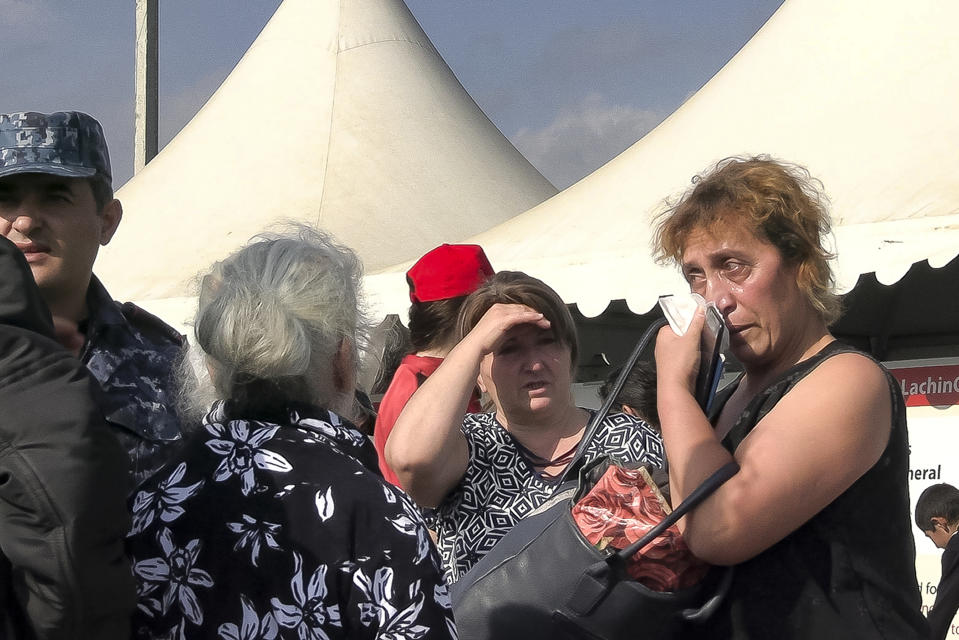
(847, 573)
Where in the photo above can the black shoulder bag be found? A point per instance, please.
(545, 581)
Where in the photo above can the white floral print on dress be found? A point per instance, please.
(241, 449)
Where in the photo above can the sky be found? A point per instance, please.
(571, 83)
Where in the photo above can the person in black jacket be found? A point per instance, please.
(63, 482)
(937, 515)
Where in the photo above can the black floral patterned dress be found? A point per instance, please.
(261, 530)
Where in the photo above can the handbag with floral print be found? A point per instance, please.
(622, 507)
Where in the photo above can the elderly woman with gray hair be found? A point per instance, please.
(272, 521)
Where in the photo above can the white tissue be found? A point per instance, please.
(679, 310)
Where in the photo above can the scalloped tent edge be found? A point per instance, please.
(860, 93)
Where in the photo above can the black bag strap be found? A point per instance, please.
(600, 577)
(599, 416)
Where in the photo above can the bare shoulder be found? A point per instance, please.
(844, 403)
(851, 377)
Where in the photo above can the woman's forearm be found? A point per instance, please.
(692, 449)
(426, 448)
(694, 454)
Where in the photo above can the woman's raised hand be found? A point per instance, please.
(677, 357)
(491, 330)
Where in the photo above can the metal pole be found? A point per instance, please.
(145, 137)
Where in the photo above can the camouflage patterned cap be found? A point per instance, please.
(65, 143)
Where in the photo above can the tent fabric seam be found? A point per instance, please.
(384, 41)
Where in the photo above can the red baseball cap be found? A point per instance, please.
(448, 271)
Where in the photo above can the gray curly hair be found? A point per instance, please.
(272, 318)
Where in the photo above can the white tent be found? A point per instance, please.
(341, 114)
(862, 93)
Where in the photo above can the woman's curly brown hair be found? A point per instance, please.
(778, 202)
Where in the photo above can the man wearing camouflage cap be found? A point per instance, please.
(57, 207)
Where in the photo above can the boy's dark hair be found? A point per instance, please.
(639, 391)
(937, 501)
(433, 324)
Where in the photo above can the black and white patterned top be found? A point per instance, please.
(264, 530)
(500, 488)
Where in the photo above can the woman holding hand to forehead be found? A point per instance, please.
(817, 519)
(485, 472)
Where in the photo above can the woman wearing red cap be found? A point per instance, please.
(482, 473)
(439, 283)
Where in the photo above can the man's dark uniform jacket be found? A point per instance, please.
(63, 482)
(947, 596)
(132, 354)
